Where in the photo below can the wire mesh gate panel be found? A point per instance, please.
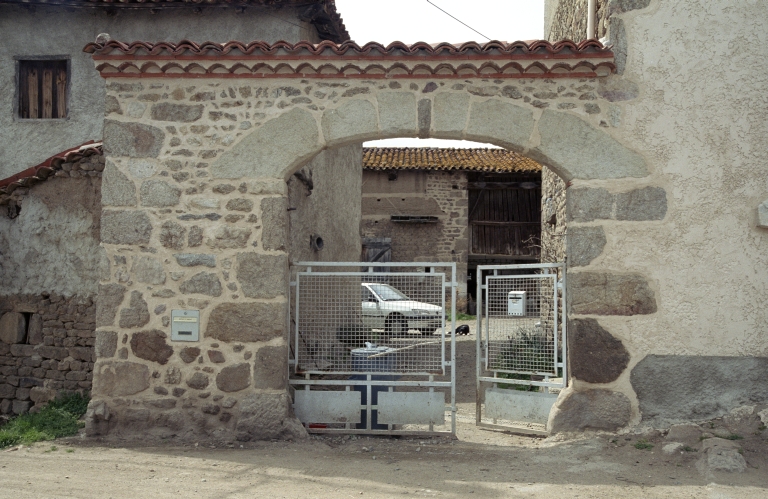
(371, 348)
(520, 344)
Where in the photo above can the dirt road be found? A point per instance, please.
(504, 466)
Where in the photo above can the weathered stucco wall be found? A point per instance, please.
(329, 209)
(423, 193)
(49, 272)
(698, 354)
(53, 244)
(55, 31)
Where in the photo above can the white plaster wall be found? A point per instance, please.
(700, 122)
(332, 210)
(53, 245)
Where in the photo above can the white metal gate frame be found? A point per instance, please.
(483, 334)
(369, 382)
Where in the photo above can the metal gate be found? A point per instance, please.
(371, 348)
(521, 344)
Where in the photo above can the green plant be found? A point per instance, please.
(688, 448)
(734, 436)
(70, 451)
(463, 317)
(52, 449)
(643, 444)
(526, 349)
(57, 419)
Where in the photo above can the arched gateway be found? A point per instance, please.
(244, 118)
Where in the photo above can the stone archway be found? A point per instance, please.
(230, 123)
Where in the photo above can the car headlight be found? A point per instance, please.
(419, 311)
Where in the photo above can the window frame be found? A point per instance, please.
(17, 59)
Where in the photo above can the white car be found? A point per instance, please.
(385, 307)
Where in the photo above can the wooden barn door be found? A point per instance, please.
(505, 216)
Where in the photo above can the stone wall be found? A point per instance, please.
(50, 261)
(553, 217)
(196, 216)
(424, 193)
(49, 30)
(567, 19)
(46, 348)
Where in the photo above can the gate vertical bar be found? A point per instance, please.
(565, 327)
(298, 300)
(556, 325)
(454, 285)
(478, 343)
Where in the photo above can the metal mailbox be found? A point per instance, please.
(185, 325)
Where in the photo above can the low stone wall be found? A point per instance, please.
(46, 348)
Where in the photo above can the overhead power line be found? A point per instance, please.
(457, 19)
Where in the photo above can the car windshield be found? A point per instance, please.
(388, 293)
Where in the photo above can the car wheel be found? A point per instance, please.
(396, 326)
(426, 332)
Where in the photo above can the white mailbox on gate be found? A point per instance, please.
(516, 303)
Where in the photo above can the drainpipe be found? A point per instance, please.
(591, 7)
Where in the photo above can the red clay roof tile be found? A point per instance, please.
(565, 49)
(433, 158)
(48, 167)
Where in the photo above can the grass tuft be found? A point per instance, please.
(643, 445)
(57, 419)
(734, 436)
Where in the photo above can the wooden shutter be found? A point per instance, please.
(43, 89)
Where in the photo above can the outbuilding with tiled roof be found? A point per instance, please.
(467, 205)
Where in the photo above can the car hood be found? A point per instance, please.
(410, 305)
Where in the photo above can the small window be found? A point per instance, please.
(43, 89)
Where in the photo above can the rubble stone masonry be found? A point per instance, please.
(46, 348)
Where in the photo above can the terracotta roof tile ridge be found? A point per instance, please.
(44, 170)
(537, 47)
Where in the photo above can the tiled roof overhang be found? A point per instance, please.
(498, 60)
(41, 172)
(448, 159)
(320, 13)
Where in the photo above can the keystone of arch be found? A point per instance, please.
(500, 123)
